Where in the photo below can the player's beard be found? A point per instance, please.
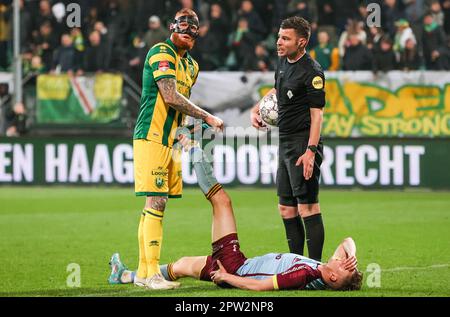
(182, 43)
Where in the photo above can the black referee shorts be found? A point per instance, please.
(292, 188)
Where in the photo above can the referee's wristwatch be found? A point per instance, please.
(313, 148)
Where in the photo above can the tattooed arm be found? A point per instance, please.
(168, 89)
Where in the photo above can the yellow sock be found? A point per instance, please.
(153, 231)
(142, 268)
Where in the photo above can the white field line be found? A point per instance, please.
(419, 268)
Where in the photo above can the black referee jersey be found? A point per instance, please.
(300, 86)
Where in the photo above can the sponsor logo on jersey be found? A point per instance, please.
(290, 94)
(163, 66)
(159, 172)
(317, 82)
(159, 182)
(160, 175)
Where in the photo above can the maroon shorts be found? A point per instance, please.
(228, 252)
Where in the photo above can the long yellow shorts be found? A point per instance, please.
(157, 169)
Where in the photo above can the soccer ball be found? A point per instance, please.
(268, 110)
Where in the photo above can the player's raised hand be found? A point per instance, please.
(185, 142)
(349, 247)
(350, 263)
(215, 122)
(219, 275)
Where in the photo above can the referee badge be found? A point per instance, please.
(317, 82)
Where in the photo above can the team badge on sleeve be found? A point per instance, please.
(163, 66)
(317, 82)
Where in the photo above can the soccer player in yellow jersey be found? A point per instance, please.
(168, 76)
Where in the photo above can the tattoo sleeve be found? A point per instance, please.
(168, 89)
(158, 203)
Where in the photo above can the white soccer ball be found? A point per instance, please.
(268, 110)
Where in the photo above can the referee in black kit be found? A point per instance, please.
(299, 86)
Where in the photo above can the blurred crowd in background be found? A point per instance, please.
(234, 34)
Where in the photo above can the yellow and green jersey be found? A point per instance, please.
(157, 121)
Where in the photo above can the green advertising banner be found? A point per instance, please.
(363, 163)
(358, 104)
(64, 99)
(372, 109)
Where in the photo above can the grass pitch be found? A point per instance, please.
(43, 230)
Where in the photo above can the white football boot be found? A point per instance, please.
(158, 282)
(140, 282)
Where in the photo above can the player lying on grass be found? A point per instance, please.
(228, 266)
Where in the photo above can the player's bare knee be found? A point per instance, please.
(188, 267)
(221, 198)
(156, 203)
(307, 210)
(307, 213)
(287, 211)
(180, 267)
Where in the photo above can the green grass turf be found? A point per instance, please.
(45, 229)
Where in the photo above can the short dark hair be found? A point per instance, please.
(428, 13)
(386, 39)
(354, 283)
(188, 12)
(300, 25)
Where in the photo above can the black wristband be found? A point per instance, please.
(312, 148)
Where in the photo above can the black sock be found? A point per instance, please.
(314, 236)
(295, 234)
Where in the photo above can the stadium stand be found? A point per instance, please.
(233, 34)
